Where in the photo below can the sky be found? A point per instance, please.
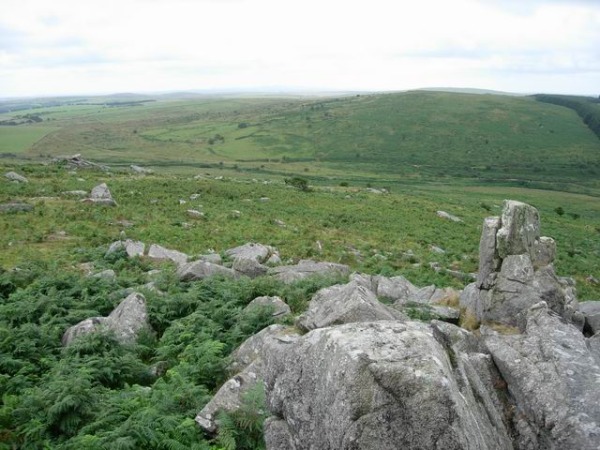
(64, 47)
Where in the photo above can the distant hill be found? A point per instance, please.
(471, 91)
(411, 135)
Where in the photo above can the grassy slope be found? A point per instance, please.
(413, 135)
(352, 225)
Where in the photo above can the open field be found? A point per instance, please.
(406, 137)
(386, 233)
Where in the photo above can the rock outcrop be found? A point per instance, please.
(366, 377)
(516, 272)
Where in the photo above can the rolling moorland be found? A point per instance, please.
(378, 168)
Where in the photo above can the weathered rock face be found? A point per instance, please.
(515, 270)
(126, 320)
(376, 385)
(308, 268)
(591, 311)
(553, 376)
(346, 303)
(101, 195)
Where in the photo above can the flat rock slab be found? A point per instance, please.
(199, 270)
(164, 254)
(308, 268)
(14, 207)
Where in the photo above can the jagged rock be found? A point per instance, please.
(229, 397)
(13, 176)
(133, 248)
(199, 270)
(101, 195)
(161, 253)
(376, 385)
(591, 311)
(126, 321)
(345, 303)
(255, 346)
(447, 216)
(13, 207)
(248, 360)
(553, 378)
(520, 228)
(249, 267)
(307, 268)
(489, 262)
(515, 271)
(279, 307)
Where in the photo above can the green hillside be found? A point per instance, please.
(414, 135)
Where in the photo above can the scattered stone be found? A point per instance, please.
(126, 321)
(15, 177)
(101, 195)
(257, 252)
(199, 270)
(164, 254)
(182, 201)
(592, 280)
(139, 169)
(235, 214)
(308, 268)
(279, 307)
(195, 214)
(214, 258)
(76, 193)
(77, 161)
(14, 207)
(249, 267)
(108, 274)
(264, 199)
(279, 223)
(194, 196)
(445, 215)
(436, 249)
(133, 248)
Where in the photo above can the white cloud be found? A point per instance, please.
(380, 44)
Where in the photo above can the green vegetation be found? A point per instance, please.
(416, 136)
(588, 108)
(287, 172)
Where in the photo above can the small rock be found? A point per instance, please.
(13, 176)
(199, 270)
(101, 195)
(162, 254)
(182, 201)
(195, 214)
(280, 308)
(445, 215)
(133, 248)
(108, 274)
(14, 207)
(264, 199)
(194, 196)
(436, 249)
(139, 169)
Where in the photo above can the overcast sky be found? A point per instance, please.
(56, 47)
